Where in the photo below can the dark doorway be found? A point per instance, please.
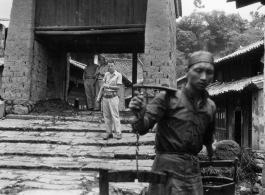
(238, 123)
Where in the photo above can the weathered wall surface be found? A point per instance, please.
(39, 72)
(56, 83)
(160, 43)
(258, 134)
(19, 51)
(121, 94)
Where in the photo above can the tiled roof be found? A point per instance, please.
(1, 61)
(124, 66)
(242, 51)
(240, 3)
(218, 88)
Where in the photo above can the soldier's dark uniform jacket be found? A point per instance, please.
(183, 128)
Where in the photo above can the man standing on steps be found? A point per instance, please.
(88, 78)
(112, 83)
(100, 73)
(185, 122)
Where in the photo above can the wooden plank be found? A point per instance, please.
(97, 32)
(72, 12)
(77, 13)
(67, 13)
(98, 12)
(92, 19)
(143, 176)
(37, 13)
(86, 4)
(81, 13)
(72, 28)
(119, 11)
(49, 16)
(130, 12)
(104, 182)
(54, 13)
(111, 12)
(59, 11)
(217, 163)
(104, 11)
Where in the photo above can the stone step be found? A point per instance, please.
(74, 151)
(70, 163)
(49, 182)
(59, 125)
(72, 138)
(87, 116)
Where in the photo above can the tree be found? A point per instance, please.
(186, 41)
(216, 31)
(257, 20)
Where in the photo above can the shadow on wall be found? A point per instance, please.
(1, 75)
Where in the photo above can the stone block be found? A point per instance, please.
(21, 102)
(20, 110)
(8, 109)
(18, 74)
(8, 74)
(9, 102)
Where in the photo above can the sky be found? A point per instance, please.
(187, 7)
(222, 5)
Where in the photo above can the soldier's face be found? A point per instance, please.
(90, 62)
(101, 61)
(200, 75)
(111, 67)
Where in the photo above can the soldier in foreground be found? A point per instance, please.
(186, 122)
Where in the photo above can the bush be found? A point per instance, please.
(227, 150)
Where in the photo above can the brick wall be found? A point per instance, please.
(160, 43)
(19, 50)
(39, 72)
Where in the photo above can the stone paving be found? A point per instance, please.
(47, 156)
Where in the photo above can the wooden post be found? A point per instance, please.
(263, 169)
(103, 182)
(134, 67)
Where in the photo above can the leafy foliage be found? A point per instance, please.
(217, 32)
(257, 21)
(227, 150)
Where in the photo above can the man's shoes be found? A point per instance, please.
(118, 136)
(107, 136)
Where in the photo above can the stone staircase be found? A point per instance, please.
(51, 153)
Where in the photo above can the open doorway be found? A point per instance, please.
(238, 123)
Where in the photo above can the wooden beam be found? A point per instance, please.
(84, 28)
(90, 32)
(103, 182)
(134, 67)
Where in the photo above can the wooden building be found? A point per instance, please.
(42, 33)
(238, 93)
